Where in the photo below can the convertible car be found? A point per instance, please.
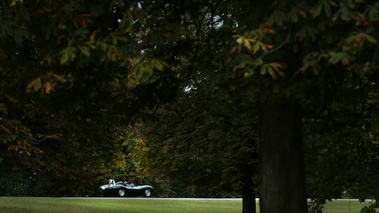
(123, 189)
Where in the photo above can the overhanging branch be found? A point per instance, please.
(279, 46)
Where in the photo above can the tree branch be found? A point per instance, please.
(278, 47)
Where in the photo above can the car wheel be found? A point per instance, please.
(121, 192)
(147, 193)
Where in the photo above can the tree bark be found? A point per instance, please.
(282, 157)
(248, 202)
(248, 192)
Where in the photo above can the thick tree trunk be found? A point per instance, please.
(282, 158)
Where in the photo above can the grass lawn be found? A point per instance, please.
(344, 206)
(57, 205)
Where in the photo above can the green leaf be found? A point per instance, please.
(293, 15)
(277, 17)
(64, 58)
(340, 56)
(373, 13)
(114, 40)
(35, 84)
(158, 64)
(317, 9)
(346, 13)
(84, 50)
(123, 38)
(127, 22)
(264, 69)
(307, 32)
(371, 39)
(92, 46)
(327, 8)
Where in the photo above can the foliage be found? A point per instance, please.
(194, 142)
(323, 53)
(346, 135)
(60, 131)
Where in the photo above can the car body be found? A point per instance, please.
(122, 189)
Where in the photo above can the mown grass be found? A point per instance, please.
(58, 205)
(344, 206)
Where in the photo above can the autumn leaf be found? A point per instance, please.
(272, 69)
(35, 84)
(92, 37)
(49, 87)
(3, 109)
(13, 147)
(6, 130)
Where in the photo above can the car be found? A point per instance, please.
(122, 189)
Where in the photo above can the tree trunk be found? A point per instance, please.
(282, 158)
(248, 202)
(248, 192)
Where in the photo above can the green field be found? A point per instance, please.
(57, 205)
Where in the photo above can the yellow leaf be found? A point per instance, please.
(49, 87)
(272, 73)
(92, 38)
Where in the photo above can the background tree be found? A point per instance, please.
(346, 135)
(199, 141)
(57, 53)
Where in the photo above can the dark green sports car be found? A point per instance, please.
(123, 189)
